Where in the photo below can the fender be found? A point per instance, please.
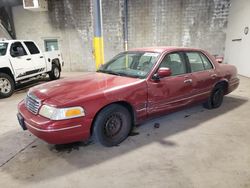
(224, 82)
(6, 64)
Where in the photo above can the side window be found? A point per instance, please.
(195, 61)
(206, 62)
(17, 50)
(32, 47)
(175, 62)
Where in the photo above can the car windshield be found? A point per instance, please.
(3, 48)
(131, 64)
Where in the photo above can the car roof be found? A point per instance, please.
(15, 40)
(161, 49)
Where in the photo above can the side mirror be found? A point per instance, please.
(162, 73)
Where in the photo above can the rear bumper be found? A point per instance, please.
(55, 132)
(233, 85)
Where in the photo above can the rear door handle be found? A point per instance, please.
(41, 56)
(188, 81)
(28, 59)
(213, 75)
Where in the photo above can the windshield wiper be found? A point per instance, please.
(109, 72)
(118, 73)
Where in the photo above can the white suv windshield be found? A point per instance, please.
(131, 64)
(3, 48)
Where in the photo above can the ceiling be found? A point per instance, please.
(10, 2)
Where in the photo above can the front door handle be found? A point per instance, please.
(28, 59)
(41, 56)
(188, 81)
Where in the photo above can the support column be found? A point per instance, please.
(98, 50)
(125, 25)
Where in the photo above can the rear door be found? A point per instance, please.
(170, 92)
(203, 74)
(36, 56)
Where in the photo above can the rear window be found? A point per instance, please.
(195, 61)
(206, 62)
(32, 48)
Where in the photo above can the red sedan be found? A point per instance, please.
(130, 88)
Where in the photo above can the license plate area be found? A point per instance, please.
(21, 121)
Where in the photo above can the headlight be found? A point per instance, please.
(61, 113)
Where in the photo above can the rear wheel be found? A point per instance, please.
(112, 125)
(55, 72)
(7, 85)
(216, 98)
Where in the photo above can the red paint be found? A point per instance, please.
(146, 96)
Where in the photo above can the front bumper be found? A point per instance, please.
(54, 132)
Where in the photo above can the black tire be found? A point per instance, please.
(7, 85)
(55, 72)
(112, 125)
(216, 98)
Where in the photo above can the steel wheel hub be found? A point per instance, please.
(113, 125)
(56, 72)
(5, 86)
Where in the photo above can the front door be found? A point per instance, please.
(170, 92)
(20, 60)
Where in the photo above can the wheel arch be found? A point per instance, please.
(122, 103)
(224, 84)
(56, 62)
(7, 70)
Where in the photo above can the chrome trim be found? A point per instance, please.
(52, 130)
(31, 95)
(234, 83)
(189, 97)
(32, 103)
(142, 109)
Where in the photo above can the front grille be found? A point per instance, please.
(32, 103)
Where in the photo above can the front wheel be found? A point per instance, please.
(7, 85)
(112, 125)
(216, 98)
(55, 72)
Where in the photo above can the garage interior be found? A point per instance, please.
(194, 147)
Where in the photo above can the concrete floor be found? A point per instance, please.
(191, 148)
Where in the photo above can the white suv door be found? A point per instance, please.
(36, 56)
(20, 60)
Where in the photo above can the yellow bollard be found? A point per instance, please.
(98, 51)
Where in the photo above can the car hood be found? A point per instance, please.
(71, 89)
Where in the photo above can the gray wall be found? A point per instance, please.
(195, 23)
